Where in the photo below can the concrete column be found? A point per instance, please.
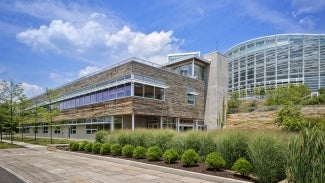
(161, 122)
(132, 121)
(177, 124)
(197, 125)
(112, 123)
(132, 88)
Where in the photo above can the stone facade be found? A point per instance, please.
(174, 105)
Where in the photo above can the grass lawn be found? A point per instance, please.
(41, 141)
(4, 145)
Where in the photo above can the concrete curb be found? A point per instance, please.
(159, 168)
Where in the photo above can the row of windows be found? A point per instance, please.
(115, 92)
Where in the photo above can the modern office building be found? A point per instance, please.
(277, 60)
(135, 93)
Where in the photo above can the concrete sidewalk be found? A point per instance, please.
(35, 164)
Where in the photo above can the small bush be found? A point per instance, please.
(105, 148)
(96, 147)
(139, 152)
(267, 155)
(154, 153)
(190, 157)
(89, 147)
(82, 145)
(74, 146)
(116, 149)
(242, 166)
(101, 136)
(215, 161)
(170, 156)
(127, 150)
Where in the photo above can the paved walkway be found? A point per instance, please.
(36, 164)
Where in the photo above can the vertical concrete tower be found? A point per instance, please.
(216, 91)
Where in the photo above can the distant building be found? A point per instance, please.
(277, 60)
(140, 94)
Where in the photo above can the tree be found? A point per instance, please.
(23, 114)
(233, 102)
(51, 110)
(11, 95)
(284, 95)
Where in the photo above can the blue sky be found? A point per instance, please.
(48, 43)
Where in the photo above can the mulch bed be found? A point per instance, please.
(199, 168)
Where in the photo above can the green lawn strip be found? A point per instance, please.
(41, 141)
(4, 145)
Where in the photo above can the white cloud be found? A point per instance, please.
(307, 21)
(88, 70)
(31, 90)
(307, 6)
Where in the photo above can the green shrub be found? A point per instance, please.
(170, 156)
(82, 145)
(116, 149)
(215, 161)
(242, 166)
(290, 117)
(74, 146)
(101, 136)
(105, 148)
(231, 146)
(139, 152)
(190, 157)
(127, 150)
(96, 147)
(89, 147)
(154, 153)
(267, 155)
(306, 157)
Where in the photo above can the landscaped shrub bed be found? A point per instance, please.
(263, 155)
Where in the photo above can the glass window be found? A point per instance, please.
(57, 130)
(91, 129)
(138, 89)
(149, 91)
(86, 99)
(112, 93)
(99, 96)
(105, 95)
(45, 129)
(120, 91)
(128, 89)
(93, 98)
(159, 93)
(73, 130)
(190, 99)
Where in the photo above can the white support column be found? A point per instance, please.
(161, 122)
(132, 88)
(197, 125)
(112, 123)
(132, 121)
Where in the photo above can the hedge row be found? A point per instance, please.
(189, 158)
